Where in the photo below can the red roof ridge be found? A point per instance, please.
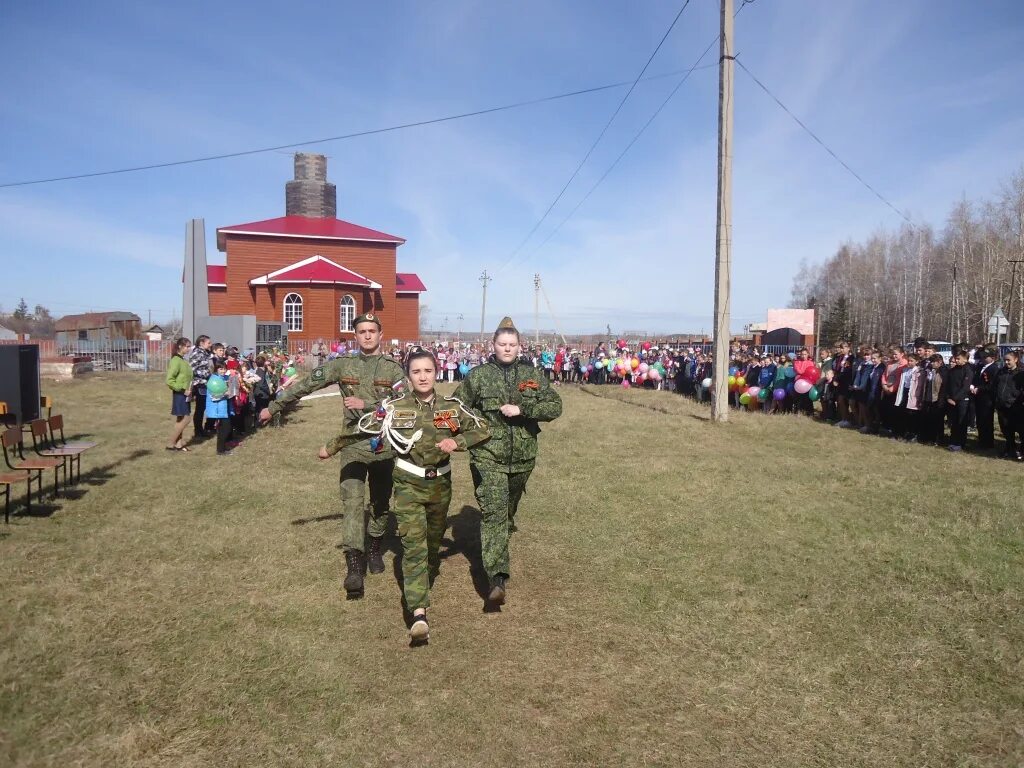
(308, 227)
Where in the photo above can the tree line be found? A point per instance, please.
(916, 281)
(37, 323)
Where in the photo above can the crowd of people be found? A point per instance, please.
(903, 393)
(222, 391)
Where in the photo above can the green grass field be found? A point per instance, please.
(770, 592)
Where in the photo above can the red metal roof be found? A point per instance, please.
(407, 282)
(304, 226)
(315, 269)
(216, 275)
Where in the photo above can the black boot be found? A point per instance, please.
(497, 594)
(356, 563)
(374, 557)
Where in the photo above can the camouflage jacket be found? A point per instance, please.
(368, 377)
(513, 443)
(439, 418)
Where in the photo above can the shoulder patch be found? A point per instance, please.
(318, 374)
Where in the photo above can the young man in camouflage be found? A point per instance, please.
(365, 380)
(514, 397)
(433, 428)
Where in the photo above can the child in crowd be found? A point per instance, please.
(218, 406)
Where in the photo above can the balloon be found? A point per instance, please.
(625, 383)
(644, 367)
(590, 368)
(634, 363)
(732, 381)
(789, 373)
(744, 399)
(463, 369)
(814, 374)
(741, 381)
(779, 394)
(764, 394)
(646, 345)
(621, 343)
(216, 387)
(814, 394)
(290, 371)
(791, 355)
(754, 391)
(706, 383)
(653, 375)
(599, 364)
(803, 386)
(733, 370)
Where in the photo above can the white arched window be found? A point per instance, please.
(347, 313)
(293, 312)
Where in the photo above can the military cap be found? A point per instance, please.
(367, 317)
(506, 324)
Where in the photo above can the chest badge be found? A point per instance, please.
(447, 419)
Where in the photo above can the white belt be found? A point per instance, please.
(415, 469)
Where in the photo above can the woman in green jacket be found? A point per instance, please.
(179, 380)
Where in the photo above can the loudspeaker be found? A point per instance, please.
(19, 380)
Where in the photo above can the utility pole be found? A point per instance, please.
(536, 309)
(817, 330)
(952, 304)
(458, 336)
(723, 244)
(1009, 308)
(485, 279)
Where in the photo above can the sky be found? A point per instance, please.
(923, 98)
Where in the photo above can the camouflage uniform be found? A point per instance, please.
(421, 503)
(501, 466)
(370, 378)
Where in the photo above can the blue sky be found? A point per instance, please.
(922, 97)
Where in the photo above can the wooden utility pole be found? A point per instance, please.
(723, 245)
(485, 279)
(536, 309)
(1009, 308)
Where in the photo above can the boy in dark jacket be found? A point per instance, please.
(1009, 400)
(958, 400)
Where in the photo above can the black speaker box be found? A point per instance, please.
(19, 380)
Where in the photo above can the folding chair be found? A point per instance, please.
(74, 449)
(11, 442)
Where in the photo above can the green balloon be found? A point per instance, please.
(216, 387)
(813, 393)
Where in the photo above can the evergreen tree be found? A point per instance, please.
(21, 319)
(838, 325)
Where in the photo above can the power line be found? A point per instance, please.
(825, 146)
(651, 119)
(597, 140)
(342, 137)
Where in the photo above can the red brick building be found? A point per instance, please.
(312, 270)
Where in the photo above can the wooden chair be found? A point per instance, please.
(44, 450)
(73, 449)
(7, 479)
(46, 404)
(11, 442)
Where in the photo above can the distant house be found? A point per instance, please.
(154, 333)
(97, 327)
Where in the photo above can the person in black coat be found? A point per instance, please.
(982, 391)
(1009, 401)
(958, 400)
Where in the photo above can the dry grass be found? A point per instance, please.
(765, 593)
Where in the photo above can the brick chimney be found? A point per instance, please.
(309, 194)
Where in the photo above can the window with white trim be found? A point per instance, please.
(347, 313)
(293, 312)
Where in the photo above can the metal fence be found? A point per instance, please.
(112, 355)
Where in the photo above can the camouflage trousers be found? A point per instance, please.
(421, 508)
(358, 465)
(498, 494)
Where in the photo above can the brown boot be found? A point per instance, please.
(374, 558)
(356, 564)
(497, 594)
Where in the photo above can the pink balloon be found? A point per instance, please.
(644, 367)
(625, 383)
(653, 375)
(802, 386)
